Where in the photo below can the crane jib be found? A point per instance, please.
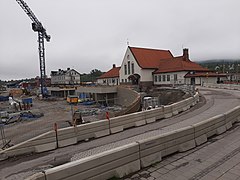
(42, 34)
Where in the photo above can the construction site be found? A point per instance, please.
(29, 112)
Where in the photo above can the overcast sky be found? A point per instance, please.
(89, 34)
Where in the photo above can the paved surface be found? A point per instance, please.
(219, 158)
(217, 101)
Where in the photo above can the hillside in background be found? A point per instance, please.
(222, 65)
(92, 76)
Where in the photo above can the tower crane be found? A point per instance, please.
(42, 34)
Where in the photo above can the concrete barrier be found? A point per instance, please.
(130, 158)
(153, 149)
(117, 163)
(153, 115)
(178, 107)
(41, 143)
(232, 116)
(72, 135)
(92, 130)
(67, 136)
(167, 111)
(120, 123)
(223, 86)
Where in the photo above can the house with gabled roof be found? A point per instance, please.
(181, 70)
(111, 77)
(139, 64)
(147, 67)
(65, 77)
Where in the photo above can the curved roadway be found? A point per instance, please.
(216, 102)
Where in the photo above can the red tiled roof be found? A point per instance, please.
(205, 74)
(114, 72)
(149, 58)
(179, 64)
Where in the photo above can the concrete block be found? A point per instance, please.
(175, 112)
(102, 133)
(151, 159)
(96, 165)
(140, 123)
(187, 145)
(37, 176)
(116, 129)
(168, 115)
(170, 150)
(67, 142)
(3, 156)
(45, 147)
(185, 108)
(211, 133)
(150, 120)
(201, 139)
(228, 125)
(15, 151)
(127, 169)
(221, 130)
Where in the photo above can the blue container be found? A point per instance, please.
(4, 98)
(27, 101)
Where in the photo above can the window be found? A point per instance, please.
(164, 77)
(132, 68)
(122, 80)
(155, 78)
(104, 81)
(168, 77)
(159, 78)
(125, 80)
(113, 81)
(175, 77)
(128, 67)
(125, 69)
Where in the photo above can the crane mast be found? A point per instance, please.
(42, 34)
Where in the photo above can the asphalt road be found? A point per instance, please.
(216, 102)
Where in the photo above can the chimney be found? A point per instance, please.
(114, 65)
(59, 70)
(185, 54)
(68, 69)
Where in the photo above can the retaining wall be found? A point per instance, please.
(129, 99)
(130, 158)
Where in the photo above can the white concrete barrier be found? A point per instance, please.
(92, 130)
(232, 116)
(130, 158)
(117, 163)
(67, 136)
(223, 86)
(153, 149)
(41, 143)
(72, 135)
(167, 111)
(120, 123)
(153, 115)
(178, 107)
